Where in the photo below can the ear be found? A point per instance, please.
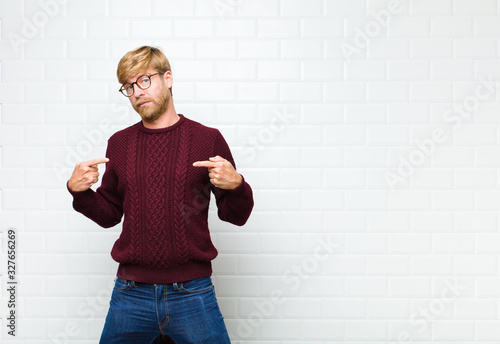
(168, 79)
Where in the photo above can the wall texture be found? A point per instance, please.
(367, 128)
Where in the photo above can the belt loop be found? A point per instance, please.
(132, 284)
(176, 286)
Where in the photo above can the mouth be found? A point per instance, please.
(143, 104)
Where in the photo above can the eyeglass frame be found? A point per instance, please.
(122, 89)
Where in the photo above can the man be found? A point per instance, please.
(159, 175)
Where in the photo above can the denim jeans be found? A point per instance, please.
(188, 312)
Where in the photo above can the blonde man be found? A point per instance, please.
(159, 176)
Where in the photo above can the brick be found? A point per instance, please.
(365, 156)
(238, 243)
(346, 178)
(433, 178)
(151, 28)
(258, 48)
(408, 70)
(372, 330)
(389, 48)
(11, 93)
(218, 48)
(453, 243)
(298, 8)
(64, 28)
(342, 8)
(12, 178)
(44, 50)
(449, 157)
(437, 265)
(351, 135)
(64, 71)
(305, 91)
(22, 157)
(278, 70)
(11, 9)
(479, 7)
(486, 243)
(128, 8)
(237, 28)
(447, 200)
(391, 308)
(302, 49)
(193, 28)
(321, 113)
(424, 48)
(476, 265)
(322, 200)
(249, 91)
(452, 70)
(175, 8)
(257, 8)
(431, 91)
(369, 200)
(239, 70)
(388, 135)
(104, 28)
(409, 200)
(402, 26)
(452, 26)
(14, 71)
(235, 113)
(87, 49)
(487, 329)
(430, 7)
(322, 28)
(345, 92)
(366, 70)
(283, 200)
(475, 48)
(485, 26)
(426, 222)
(11, 135)
(388, 92)
(365, 114)
(410, 243)
(50, 264)
(404, 113)
(91, 8)
(95, 91)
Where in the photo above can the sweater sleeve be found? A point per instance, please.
(103, 206)
(234, 206)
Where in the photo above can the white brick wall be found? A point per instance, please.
(376, 189)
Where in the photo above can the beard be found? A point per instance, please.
(155, 109)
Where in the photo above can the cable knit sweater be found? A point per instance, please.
(164, 199)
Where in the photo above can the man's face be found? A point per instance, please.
(152, 102)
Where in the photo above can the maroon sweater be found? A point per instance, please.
(151, 180)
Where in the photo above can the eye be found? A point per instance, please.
(128, 87)
(145, 80)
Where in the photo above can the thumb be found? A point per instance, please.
(216, 158)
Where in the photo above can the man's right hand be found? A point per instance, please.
(85, 175)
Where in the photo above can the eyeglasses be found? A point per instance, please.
(143, 82)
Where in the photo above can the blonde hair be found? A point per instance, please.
(139, 60)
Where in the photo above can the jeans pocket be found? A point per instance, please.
(121, 284)
(197, 286)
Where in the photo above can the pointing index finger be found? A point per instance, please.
(204, 164)
(95, 162)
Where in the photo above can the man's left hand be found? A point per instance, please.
(221, 173)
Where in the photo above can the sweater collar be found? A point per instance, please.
(174, 126)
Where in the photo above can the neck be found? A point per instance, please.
(167, 119)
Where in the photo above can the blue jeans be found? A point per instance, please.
(188, 312)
